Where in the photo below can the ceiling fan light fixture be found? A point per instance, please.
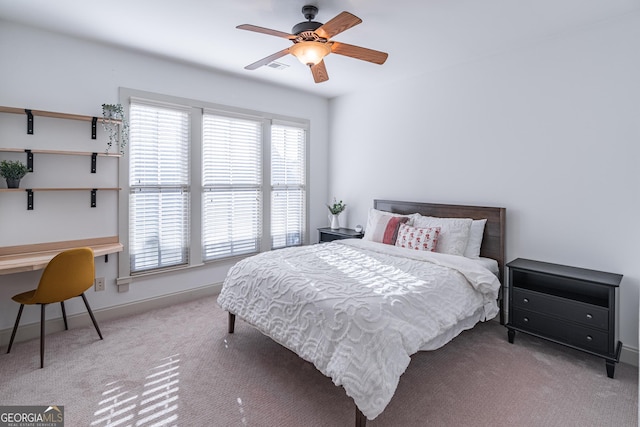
(312, 41)
(310, 52)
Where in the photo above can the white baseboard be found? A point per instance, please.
(31, 331)
(629, 356)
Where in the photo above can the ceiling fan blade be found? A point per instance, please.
(263, 30)
(319, 72)
(343, 21)
(358, 52)
(268, 59)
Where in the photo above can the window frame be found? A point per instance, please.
(198, 109)
(303, 185)
(184, 187)
(263, 125)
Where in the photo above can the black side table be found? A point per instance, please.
(326, 234)
(572, 306)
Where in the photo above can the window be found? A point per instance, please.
(208, 182)
(287, 185)
(232, 184)
(158, 187)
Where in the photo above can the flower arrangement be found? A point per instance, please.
(337, 207)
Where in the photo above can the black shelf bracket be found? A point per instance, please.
(94, 161)
(29, 199)
(29, 160)
(94, 122)
(93, 197)
(29, 121)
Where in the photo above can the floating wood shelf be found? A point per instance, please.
(63, 152)
(30, 191)
(60, 189)
(31, 113)
(53, 114)
(30, 153)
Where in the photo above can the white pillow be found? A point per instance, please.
(475, 238)
(380, 229)
(454, 232)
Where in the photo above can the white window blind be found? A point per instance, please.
(232, 186)
(288, 191)
(159, 186)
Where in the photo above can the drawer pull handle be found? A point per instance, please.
(589, 338)
(525, 300)
(589, 316)
(526, 319)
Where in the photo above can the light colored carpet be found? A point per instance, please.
(178, 366)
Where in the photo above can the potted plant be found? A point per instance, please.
(114, 122)
(336, 209)
(13, 172)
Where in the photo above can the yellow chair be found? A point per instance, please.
(69, 274)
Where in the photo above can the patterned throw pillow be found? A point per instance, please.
(420, 239)
(383, 228)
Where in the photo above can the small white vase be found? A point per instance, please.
(335, 222)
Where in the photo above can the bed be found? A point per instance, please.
(358, 309)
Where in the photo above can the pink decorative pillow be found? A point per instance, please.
(420, 239)
(384, 229)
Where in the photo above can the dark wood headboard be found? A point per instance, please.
(493, 239)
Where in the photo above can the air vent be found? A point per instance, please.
(277, 65)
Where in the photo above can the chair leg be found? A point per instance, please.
(93, 319)
(42, 307)
(15, 328)
(64, 316)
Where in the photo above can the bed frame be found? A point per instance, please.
(492, 241)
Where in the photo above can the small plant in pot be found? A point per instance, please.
(13, 172)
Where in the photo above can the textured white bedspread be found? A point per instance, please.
(357, 309)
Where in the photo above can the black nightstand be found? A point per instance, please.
(327, 234)
(572, 306)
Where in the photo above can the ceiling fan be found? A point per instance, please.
(312, 42)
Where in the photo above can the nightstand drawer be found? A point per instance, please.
(326, 237)
(327, 234)
(575, 335)
(585, 314)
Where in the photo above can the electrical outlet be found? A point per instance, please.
(99, 284)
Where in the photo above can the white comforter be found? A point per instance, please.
(357, 309)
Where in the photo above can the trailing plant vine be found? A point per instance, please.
(114, 122)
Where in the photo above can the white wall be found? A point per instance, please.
(51, 72)
(550, 131)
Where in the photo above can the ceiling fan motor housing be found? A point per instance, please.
(309, 12)
(305, 26)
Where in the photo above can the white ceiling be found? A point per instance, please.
(419, 35)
